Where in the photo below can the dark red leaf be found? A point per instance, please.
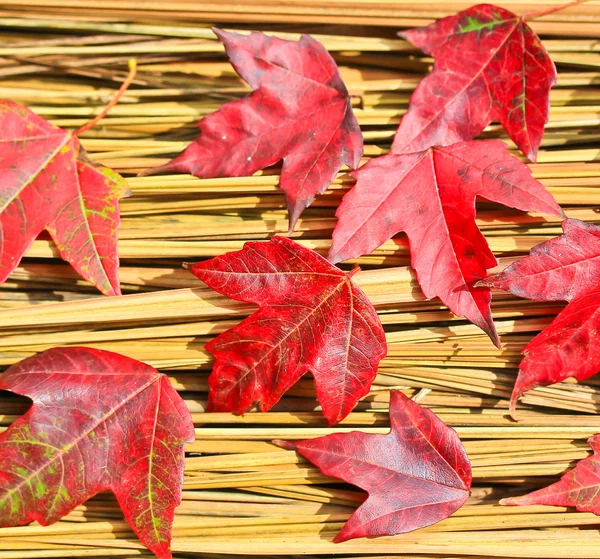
(416, 475)
(431, 196)
(489, 65)
(566, 268)
(578, 488)
(47, 182)
(300, 112)
(99, 421)
(311, 318)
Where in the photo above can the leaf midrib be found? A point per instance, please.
(462, 90)
(484, 170)
(86, 224)
(395, 472)
(292, 331)
(449, 235)
(434, 449)
(36, 174)
(377, 207)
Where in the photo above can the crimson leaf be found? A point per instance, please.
(47, 182)
(99, 421)
(431, 196)
(566, 268)
(300, 112)
(489, 65)
(311, 318)
(578, 488)
(416, 475)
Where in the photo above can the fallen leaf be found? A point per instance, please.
(578, 488)
(431, 196)
(489, 65)
(300, 112)
(416, 475)
(566, 268)
(47, 182)
(99, 421)
(311, 318)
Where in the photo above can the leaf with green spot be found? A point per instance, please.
(475, 24)
(47, 182)
(109, 423)
(489, 66)
(579, 487)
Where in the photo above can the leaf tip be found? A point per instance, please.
(341, 537)
(162, 552)
(172, 166)
(116, 291)
(522, 385)
(287, 445)
(532, 155)
(218, 32)
(226, 37)
(291, 225)
(513, 406)
(489, 328)
(151, 171)
(295, 208)
(108, 289)
(496, 339)
(334, 419)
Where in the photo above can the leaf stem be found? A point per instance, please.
(532, 15)
(354, 271)
(132, 63)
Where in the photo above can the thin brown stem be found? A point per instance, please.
(132, 63)
(533, 15)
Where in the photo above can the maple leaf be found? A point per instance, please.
(489, 65)
(416, 475)
(99, 421)
(311, 318)
(431, 196)
(300, 112)
(578, 488)
(47, 182)
(566, 268)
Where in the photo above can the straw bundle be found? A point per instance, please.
(242, 495)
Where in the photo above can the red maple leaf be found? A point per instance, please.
(416, 475)
(300, 112)
(566, 268)
(431, 196)
(47, 182)
(578, 488)
(311, 318)
(99, 421)
(489, 65)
